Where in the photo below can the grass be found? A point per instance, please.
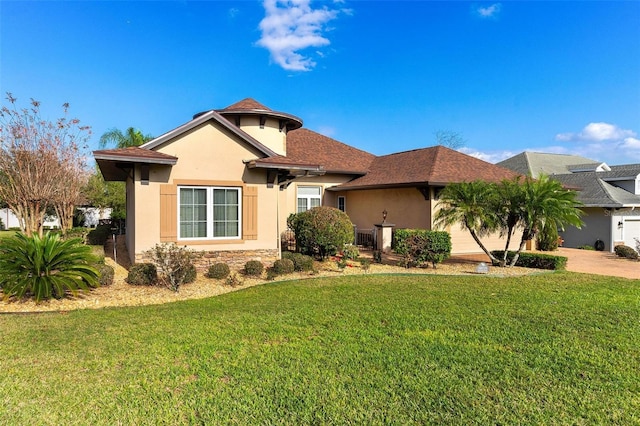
(556, 348)
(7, 234)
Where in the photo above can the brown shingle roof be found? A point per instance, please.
(434, 166)
(310, 147)
(247, 104)
(135, 153)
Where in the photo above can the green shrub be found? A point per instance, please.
(548, 237)
(253, 268)
(98, 236)
(105, 274)
(365, 264)
(350, 252)
(301, 262)
(587, 247)
(142, 274)
(283, 266)
(218, 271)
(45, 267)
(626, 252)
(418, 246)
(321, 231)
(173, 262)
(377, 256)
(78, 232)
(535, 260)
(191, 274)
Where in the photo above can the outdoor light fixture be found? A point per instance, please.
(384, 215)
(620, 224)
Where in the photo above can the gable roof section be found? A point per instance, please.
(436, 166)
(535, 163)
(307, 146)
(201, 119)
(595, 192)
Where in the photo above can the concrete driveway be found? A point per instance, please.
(600, 263)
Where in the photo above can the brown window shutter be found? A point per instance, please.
(168, 213)
(250, 213)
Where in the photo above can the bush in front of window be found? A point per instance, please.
(253, 268)
(218, 271)
(174, 263)
(142, 274)
(321, 231)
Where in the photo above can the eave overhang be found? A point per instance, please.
(117, 167)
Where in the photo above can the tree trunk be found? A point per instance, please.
(494, 261)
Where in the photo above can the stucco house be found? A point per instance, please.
(610, 195)
(226, 181)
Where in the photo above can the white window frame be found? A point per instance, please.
(344, 203)
(308, 198)
(210, 213)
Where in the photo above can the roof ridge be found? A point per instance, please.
(247, 104)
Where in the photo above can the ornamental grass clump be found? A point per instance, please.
(45, 267)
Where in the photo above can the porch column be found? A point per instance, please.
(383, 236)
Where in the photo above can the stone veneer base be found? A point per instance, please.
(234, 258)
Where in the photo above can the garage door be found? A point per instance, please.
(631, 231)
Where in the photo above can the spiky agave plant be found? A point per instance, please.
(45, 267)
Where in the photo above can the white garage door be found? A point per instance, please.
(631, 231)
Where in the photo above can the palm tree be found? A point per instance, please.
(472, 205)
(131, 137)
(545, 201)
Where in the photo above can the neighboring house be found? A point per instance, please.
(10, 220)
(610, 195)
(226, 181)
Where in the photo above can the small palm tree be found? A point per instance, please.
(45, 267)
(131, 137)
(545, 200)
(472, 206)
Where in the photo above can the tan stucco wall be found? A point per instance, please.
(208, 155)
(406, 207)
(270, 135)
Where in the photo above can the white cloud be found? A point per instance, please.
(489, 11)
(491, 156)
(290, 26)
(597, 132)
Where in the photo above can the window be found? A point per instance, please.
(308, 197)
(342, 203)
(209, 212)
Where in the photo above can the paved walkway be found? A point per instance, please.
(585, 261)
(600, 263)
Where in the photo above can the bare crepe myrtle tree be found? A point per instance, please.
(42, 163)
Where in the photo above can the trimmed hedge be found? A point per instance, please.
(253, 268)
(106, 274)
(143, 274)
(419, 246)
(98, 236)
(218, 271)
(535, 260)
(301, 262)
(283, 266)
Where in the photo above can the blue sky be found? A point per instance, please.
(383, 76)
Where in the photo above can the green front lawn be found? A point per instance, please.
(7, 234)
(545, 349)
